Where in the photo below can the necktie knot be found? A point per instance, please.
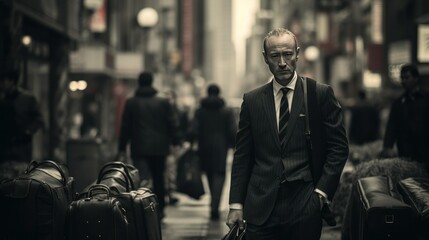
(285, 90)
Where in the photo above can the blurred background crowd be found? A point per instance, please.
(81, 59)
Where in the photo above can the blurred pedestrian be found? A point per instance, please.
(365, 121)
(280, 184)
(214, 128)
(150, 125)
(20, 119)
(407, 126)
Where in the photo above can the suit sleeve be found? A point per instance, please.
(243, 157)
(336, 142)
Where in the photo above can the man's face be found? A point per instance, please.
(408, 81)
(281, 55)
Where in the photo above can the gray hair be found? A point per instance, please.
(279, 32)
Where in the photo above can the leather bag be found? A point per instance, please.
(189, 174)
(99, 216)
(382, 214)
(415, 192)
(118, 176)
(143, 214)
(34, 205)
(235, 233)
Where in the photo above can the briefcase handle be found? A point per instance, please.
(99, 187)
(35, 164)
(128, 181)
(119, 164)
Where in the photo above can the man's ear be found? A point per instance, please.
(265, 57)
(297, 53)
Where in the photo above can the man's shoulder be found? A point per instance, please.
(260, 89)
(314, 85)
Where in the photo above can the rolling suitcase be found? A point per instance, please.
(143, 214)
(34, 205)
(99, 216)
(382, 215)
(415, 192)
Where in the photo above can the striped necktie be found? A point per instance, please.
(284, 116)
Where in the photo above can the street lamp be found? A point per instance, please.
(146, 19)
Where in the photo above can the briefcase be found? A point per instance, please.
(34, 205)
(382, 215)
(99, 216)
(415, 192)
(235, 233)
(143, 214)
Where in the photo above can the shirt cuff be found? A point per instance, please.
(323, 194)
(237, 206)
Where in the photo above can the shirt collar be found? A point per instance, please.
(291, 85)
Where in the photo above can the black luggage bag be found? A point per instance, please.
(110, 178)
(34, 205)
(118, 176)
(382, 214)
(415, 192)
(189, 174)
(143, 214)
(99, 216)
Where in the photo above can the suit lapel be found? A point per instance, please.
(270, 111)
(298, 99)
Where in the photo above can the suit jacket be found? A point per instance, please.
(149, 123)
(257, 166)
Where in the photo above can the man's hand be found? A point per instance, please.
(235, 215)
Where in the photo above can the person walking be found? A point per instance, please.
(150, 125)
(281, 184)
(407, 126)
(20, 119)
(214, 128)
(365, 121)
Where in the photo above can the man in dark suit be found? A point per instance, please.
(280, 184)
(150, 124)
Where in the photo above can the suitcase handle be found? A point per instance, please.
(101, 187)
(35, 164)
(127, 180)
(125, 170)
